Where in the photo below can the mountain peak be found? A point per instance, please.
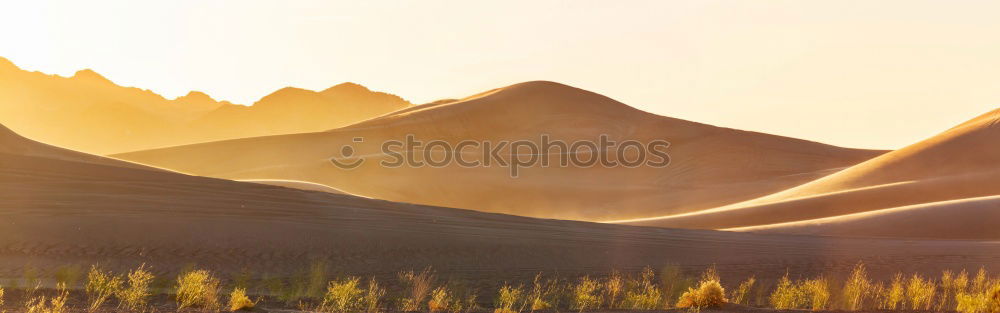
(6, 65)
(195, 96)
(90, 75)
(347, 87)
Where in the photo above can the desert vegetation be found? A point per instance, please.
(427, 291)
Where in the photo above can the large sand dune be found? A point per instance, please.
(60, 207)
(88, 112)
(903, 185)
(710, 166)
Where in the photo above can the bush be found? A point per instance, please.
(920, 292)
(544, 294)
(440, 300)
(709, 294)
(856, 288)
(372, 297)
(643, 293)
(739, 296)
(419, 287)
(613, 289)
(509, 300)
(133, 296)
(342, 296)
(56, 304)
(585, 295)
(100, 286)
(238, 300)
(197, 289)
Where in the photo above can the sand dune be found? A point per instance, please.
(959, 163)
(973, 218)
(710, 166)
(61, 208)
(88, 112)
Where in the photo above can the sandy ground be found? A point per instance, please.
(58, 211)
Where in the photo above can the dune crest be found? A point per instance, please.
(709, 165)
(960, 164)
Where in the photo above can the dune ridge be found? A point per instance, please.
(949, 172)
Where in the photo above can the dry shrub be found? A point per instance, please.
(920, 292)
(817, 292)
(56, 304)
(101, 285)
(372, 296)
(509, 299)
(856, 288)
(642, 293)
(343, 295)
(612, 289)
(986, 300)
(440, 300)
(893, 296)
(197, 289)
(674, 283)
(739, 296)
(544, 294)
(238, 300)
(133, 296)
(785, 295)
(418, 288)
(709, 294)
(585, 295)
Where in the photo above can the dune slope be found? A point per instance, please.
(68, 210)
(960, 163)
(709, 166)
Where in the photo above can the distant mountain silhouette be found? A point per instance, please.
(88, 112)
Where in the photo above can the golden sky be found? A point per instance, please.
(879, 74)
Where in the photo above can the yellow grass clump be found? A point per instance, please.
(419, 286)
(440, 300)
(920, 292)
(709, 293)
(856, 288)
(238, 300)
(740, 295)
(343, 295)
(197, 289)
(134, 295)
(56, 304)
(101, 285)
(585, 294)
(643, 293)
(509, 299)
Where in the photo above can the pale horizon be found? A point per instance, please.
(855, 74)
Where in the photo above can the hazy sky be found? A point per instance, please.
(855, 73)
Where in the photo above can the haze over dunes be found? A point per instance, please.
(88, 112)
(710, 166)
(929, 189)
(66, 209)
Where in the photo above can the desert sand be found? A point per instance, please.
(88, 112)
(710, 166)
(60, 207)
(934, 185)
